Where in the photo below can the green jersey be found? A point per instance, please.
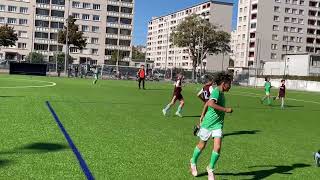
(213, 119)
(267, 86)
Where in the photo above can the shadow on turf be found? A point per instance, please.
(261, 174)
(192, 116)
(36, 148)
(241, 133)
(11, 96)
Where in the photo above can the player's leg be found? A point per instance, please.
(282, 102)
(178, 113)
(217, 142)
(139, 83)
(143, 83)
(173, 101)
(204, 135)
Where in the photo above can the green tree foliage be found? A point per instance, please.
(136, 54)
(35, 58)
(60, 57)
(7, 36)
(75, 37)
(189, 33)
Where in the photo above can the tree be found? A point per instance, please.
(201, 38)
(136, 54)
(75, 37)
(60, 57)
(7, 36)
(35, 58)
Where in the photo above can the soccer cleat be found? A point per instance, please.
(178, 114)
(193, 169)
(210, 174)
(164, 112)
(317, 158)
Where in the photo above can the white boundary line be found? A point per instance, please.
(21, 87)
(259, 95)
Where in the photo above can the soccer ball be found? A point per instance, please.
(317, 158)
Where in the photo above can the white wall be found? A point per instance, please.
(298, 65)
(299, 85)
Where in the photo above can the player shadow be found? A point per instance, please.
(11, 96)
(5, 162)
(261, 174)
(241, 133)
(35, 148)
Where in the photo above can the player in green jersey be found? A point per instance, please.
(212, 124)
(267, 89)
(96, 75)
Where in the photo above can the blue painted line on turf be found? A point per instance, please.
(82, 162)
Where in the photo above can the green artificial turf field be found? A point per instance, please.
(121, 133)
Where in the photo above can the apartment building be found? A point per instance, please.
(107, 26)
(268, 30)
(164, 54)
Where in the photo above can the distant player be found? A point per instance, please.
(267, 89)
(141, 76)
(317, 158)
(282, 92)
(212, 120)
(96, 75)
(176, 96)
(205, 92)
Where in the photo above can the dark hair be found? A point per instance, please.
(222, 77)
(283, 80)
(266, 78)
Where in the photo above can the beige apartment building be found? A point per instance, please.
(267, 30)
(107, 26)
(167, 56)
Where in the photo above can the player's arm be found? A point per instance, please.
(204, 111)
(212, 103)
(200, 95)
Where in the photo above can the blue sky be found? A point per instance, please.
(146, 9)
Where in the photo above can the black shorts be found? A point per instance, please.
(178, 96)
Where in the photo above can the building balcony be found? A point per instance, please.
(57, 7)
(43, 6)
(47, 53)
(42, 29)
(117, 25)
(111, 13)
(115, 47)
(47, 18)
(117, 3)
(45, 41)
(113, 36)
(125, 37)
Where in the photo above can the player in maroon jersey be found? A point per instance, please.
(205, 92)
(176, 96)
(282, 92)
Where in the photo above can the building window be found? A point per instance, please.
(85, 16)
(23, 21)
(276, 18)
(76, 15)
(96, 18)
(286, 19)
(276, 9)
(273, 56)
(300, 30)
(112, 30)
(126, 32)
(126, 10)
(94, 51)
(73, 49)
(96, 6)
(111, 19)
(300, 21)
(76, 4)
(125, 21)
(275, 37)
(22, 34)
(86, 5)
(12, 21)
(95, 40)
(274, 46)
(58, 2)
(288, 1)
(57, 13)
(275, 28)
(253, 25)
(286, 29)
(278, 1)
(2, 7)
(113, 8)
(2, 20)
(85, 28)
(12, 8)
(22, 45)
(23, 10)
(95, 28)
